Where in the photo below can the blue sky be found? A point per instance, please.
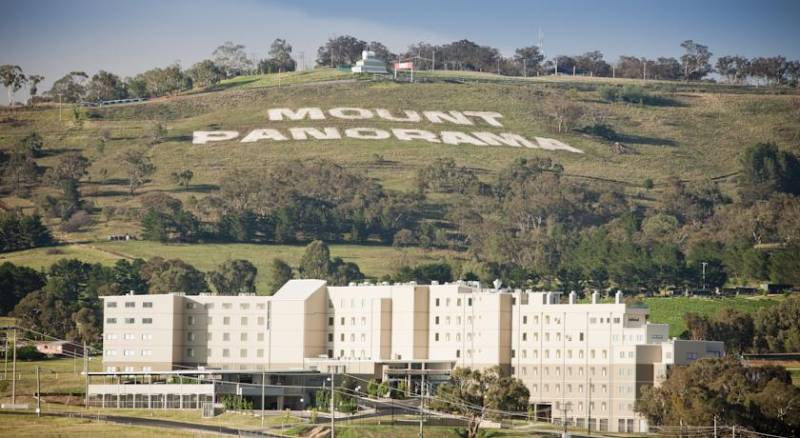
(126, 37)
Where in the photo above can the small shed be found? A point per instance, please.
(59, 347)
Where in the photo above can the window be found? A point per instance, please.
(260, 352)
(226, 352)
(458, 302)
(447, 337)
(208, 305)
(111, 336)
(469, 301)
(363, 338)
(226, 336)
(111, 320)
(352, 337)
(147, 352)
(226, 320)
(524, 336)
(111, 304)
(190, 336)
(691, 356)
(437, 302)
(111, 352)
(616, 320)
(341, 337)
(209, 320)
(436, 320)
(129, 352)
(330, 320)
(580, 336)
(129, 321)
(458, 353)
(260, 320)
(226, 305)
(260, 337)
(244, 306)
(244, 320)
(243, 337)
(243, 352)
(147, 336)
(208, 353)
(341, 322)
(513, 353)
(447, 302)
(525, 319)
(130, 304)
(330, 337)
(190, 320)
(260, 306)
(190, 305)
(190, 352)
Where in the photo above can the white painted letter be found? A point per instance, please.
(367, 133)
(455, 137)
(203, 137)
(505, 138)
(264, 134)
(350, 113)
(552, 144)
(442, 117)
(487, 116)
(415, 134)
(300, 114)
(316, 134)
(411, 116)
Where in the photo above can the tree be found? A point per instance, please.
(69, 88)
(733, 68)
(759, 398)
(766, 170)
(33, 86)
(138, 167)
(33, 143)
(316, 262)
(16, 282)
(183, 178)
(13, 79)
(205, 73)
(232, 59)
(784, 265)
(592, 63)
(175, 275)
(234, 277)
(279, 273)
(280, 56)
(340, 50)
(21, 168)
(477, 394)
(531, 57)
(695, 60)
(381, 51)
(105, 86)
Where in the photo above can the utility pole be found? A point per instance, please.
(263, 378)
(14, 370)
(5, 357)
(524, 68)
(433, 62)
(86, 373)
(421, 405)
(39, 394)
(715, 426)
(733, 431)
(613, 71)
(59, 107)
(333, 416)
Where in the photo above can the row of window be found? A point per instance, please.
(129, 353)
(129, 304)
(523, 370)
(225, 306)
(447, 301)
(557, 320)
(226, 320)
(343, 337)
(569, 354)
(225, 353)
(448, 320)
(129, 320)
(556, 337)
(436, 337)
(243, 336)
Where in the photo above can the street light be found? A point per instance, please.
(704, 274)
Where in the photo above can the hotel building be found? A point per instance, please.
(582, 362)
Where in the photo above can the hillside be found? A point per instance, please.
(689, 131)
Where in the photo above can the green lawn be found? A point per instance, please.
(670, 310)
(29, 426)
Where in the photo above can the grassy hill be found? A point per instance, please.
(697, 131)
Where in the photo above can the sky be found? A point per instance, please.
(52, 38)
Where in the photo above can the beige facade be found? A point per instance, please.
(581, 362)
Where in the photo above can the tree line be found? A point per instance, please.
(230, 60)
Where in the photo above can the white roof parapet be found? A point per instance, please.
(299, 289)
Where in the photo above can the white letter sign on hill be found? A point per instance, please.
(479, 120)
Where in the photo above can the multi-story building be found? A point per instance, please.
(582, 362)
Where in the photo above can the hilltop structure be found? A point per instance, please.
(581, 362)
(370, 64)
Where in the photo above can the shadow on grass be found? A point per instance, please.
(201, 188)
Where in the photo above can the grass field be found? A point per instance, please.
(29, 426)
(670, 310)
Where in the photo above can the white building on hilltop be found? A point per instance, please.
(370, 64)
(573, 357)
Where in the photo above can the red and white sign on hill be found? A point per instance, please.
(404, 65)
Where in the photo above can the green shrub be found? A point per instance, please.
(608, 93)
(648, 183)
